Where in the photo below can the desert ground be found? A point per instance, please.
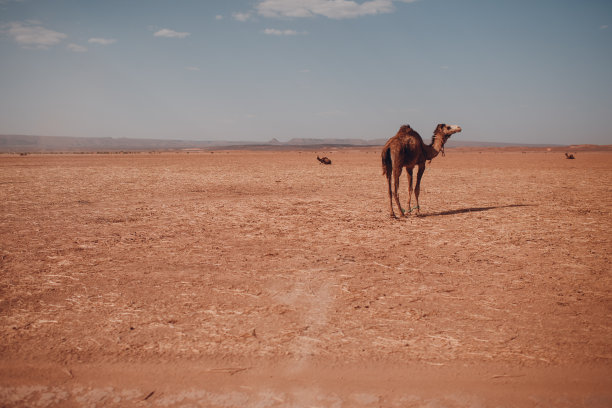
(265, 279)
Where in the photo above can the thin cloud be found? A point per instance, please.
(76, 48)
(192, 68)
(273, 31)
(603, 27)
(218, 17)
(31, 33)
(241, 16)
(334, 9)
(102, 41)
(167, 33)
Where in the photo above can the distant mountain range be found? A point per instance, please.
(53, 144)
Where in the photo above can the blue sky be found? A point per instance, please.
(253, 70)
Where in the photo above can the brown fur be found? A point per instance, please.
(407, 149)
(324, 160)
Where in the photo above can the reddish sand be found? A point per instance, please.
(266, 279)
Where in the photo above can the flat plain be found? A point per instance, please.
(263, 278)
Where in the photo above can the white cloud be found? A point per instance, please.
(76, 48)
(218, 17)
(165, 32)
(241, 16)
(273, 31)
(31, 33)
(102, 41)
(336, 9)
(192, 68)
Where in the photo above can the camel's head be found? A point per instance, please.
(445, 131)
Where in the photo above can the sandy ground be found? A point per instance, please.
(265, 279)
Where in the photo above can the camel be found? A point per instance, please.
(324, 160)
(569, 156)
(407, 149)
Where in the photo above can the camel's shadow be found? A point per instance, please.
(467, 210)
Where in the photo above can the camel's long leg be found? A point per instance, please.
(417, 188)
(409, 171)
(397, 172)
(390, 195)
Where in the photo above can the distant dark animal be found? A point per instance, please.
(569, 156)
(324, 160)
(407, 149)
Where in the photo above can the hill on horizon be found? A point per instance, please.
(50, 144)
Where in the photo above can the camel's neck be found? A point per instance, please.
(434, 148)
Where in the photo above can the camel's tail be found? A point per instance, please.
(386, 161)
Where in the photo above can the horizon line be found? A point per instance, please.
(305, 141)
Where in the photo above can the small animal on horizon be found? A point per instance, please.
(324, 160)
(569, 156)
